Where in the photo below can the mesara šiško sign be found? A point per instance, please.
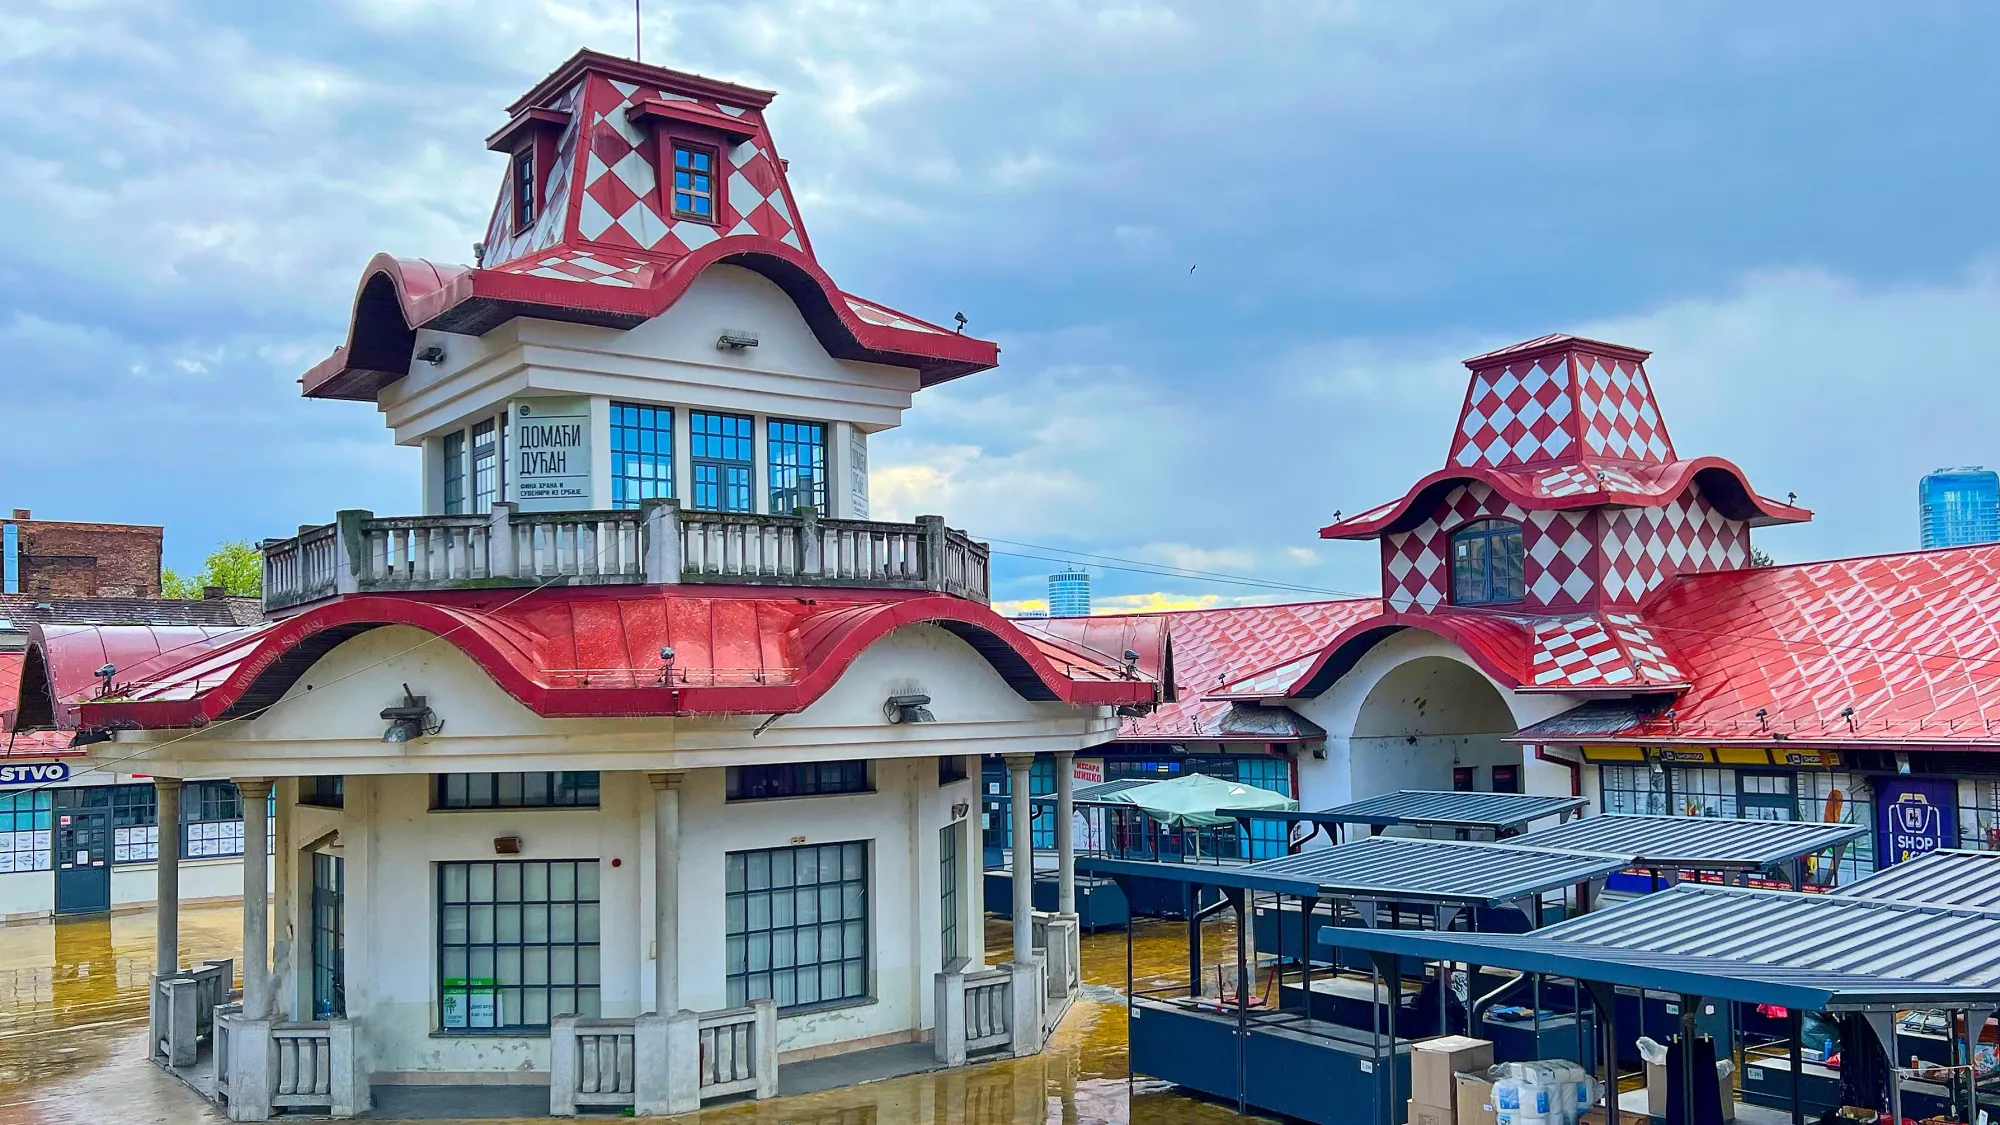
(549, 443)
(41, 773)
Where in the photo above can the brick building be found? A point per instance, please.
(56, 558)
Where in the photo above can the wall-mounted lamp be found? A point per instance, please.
(413, 720)
(908, 709)
(432, 355)
(506, 845)
(734, 341)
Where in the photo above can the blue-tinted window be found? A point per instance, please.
(642, 453)
(454, 473)
(720, 448)
(485, 467)
(694, 183)
(539, 790)
(797, 452)
(1486, 564)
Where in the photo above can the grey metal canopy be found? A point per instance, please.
(1236, 876)
(1960, 878)
(1814, 952)
(1437, 808)
(1439, 871)
(1694, 843)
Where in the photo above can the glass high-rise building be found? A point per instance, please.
(1956, 507)
(1069, 594)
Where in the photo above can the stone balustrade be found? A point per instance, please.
(363, 553)
(659, 1065)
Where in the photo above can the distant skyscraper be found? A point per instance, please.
(1955, 507)
(1069, 594)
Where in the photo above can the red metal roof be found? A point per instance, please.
(1210, 646)
(23, 744)
(596, 651)
(62, 662)
(604, 246)
(1911, 642)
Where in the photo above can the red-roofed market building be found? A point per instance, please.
(641, 762)
(1571, 606)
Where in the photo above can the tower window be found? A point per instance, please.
(797, 453)
(1486, 564)
(694, 183)
(642, 453)
(524, 189)
(721, 460)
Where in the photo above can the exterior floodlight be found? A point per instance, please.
(413, 720)
(909, 709)
(735, 342)
(432, 355)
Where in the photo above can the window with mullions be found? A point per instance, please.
(1979, 815)
(694, 183)
(517, 943)
(796, 925)
(328, 792)
(25, 828)
(1486, 564)
(212, 819)
(642, 453)
(1631, 789)
(485, 467)
(797, 779)
(454, 473)
(720, 452)
(948, 892)
(524, 189)
(547, 790)
(1842, 798)
(135, 824)
(1266, 838)
(1704, 792)
(797, 454)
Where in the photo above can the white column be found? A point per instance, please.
(666, 892)
(167, 885)
(1024, 857)
(1065, 837)
(256, 897)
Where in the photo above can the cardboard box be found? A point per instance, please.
(1656, 1092)
(1474, 1099)
(1435, 1063)
(1417, 1113)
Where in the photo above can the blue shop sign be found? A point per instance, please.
(1914, 816)
(41, 773)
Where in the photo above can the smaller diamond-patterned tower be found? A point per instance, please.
(1561, 473)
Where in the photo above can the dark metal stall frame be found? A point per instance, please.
(1503, 814)
(1672, 845)
(1837, 955)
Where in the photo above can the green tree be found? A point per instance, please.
(237, 567)
(1759, 557)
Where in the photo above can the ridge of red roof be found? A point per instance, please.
(594, 651)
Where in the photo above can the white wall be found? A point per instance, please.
(392, 841)
(1410, 709)
(671, 360)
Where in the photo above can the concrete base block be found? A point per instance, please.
(683, 1085)
(766, 1039)
(249, 1068)
(1027, 992)
(351, 1093)
(667, 1053)
(949, 1037)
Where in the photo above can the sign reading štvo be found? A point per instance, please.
(40, 774)
(549, 440)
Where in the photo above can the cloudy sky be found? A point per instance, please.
(1233, 252)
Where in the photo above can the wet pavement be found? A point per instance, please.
(73, 1004)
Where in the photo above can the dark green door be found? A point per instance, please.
(82, 852)
(329, 953)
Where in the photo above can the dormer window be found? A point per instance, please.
(1486, 564)
(524, 189)
(694, 183)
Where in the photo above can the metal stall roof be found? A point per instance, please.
(1438, 808)
(1234, 876)
(1815, 952)
(1694, 843)
(1961, 878)
(1440, 871)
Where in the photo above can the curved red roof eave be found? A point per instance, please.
(504, 648)
(457, 298)
(1495, 644)
(1727, 484)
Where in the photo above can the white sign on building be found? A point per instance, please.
(550, 448)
